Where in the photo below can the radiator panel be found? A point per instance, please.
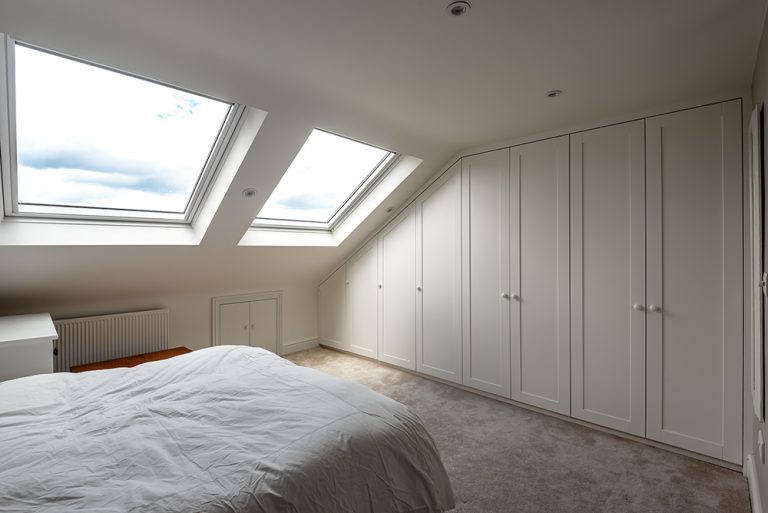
(105, 337)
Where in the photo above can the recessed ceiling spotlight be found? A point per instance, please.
(459, 8)
(554, 93)
(249, 192)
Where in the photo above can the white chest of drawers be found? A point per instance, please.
(26, 345)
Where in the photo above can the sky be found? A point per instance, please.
(327, 169)
(86, 136)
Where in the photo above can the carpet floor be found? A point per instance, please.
(502, 458)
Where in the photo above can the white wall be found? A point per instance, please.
(759, 96)
(190, 312)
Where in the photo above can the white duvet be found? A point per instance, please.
(225, 429)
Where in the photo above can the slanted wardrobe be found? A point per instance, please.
(597, 274)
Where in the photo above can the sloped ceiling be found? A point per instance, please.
(397, 73)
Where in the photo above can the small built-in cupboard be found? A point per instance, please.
(597, 275)
(248, 320)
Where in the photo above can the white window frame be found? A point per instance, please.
(376, 175)
(8, 162)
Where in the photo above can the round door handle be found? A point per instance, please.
(418, 288)
(379, 285)
(516, 297)
(505, 295)
(638, 307)
(654, 308)
(245, 328)
(346, 282)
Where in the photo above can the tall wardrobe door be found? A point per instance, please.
(331, 310)
(608, 277)
(486, 336)
(694, 317)
(362, 302)
(397, 291)
(438, 274)
(540, 355)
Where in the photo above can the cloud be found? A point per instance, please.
(105, 138)
(326, 171)
(309, 201)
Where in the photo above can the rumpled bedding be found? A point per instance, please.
(224, 429)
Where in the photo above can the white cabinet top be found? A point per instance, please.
(15, 328)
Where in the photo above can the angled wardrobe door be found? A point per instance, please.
(362, 302)
(331, 298)
(694, 322)
(397, 291)
(540, 316)
(608, 276)
(486, 255)
(438, 277)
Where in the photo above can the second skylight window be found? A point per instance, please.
(327, 176)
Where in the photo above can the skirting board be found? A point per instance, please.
(754, 485)
(299, 345)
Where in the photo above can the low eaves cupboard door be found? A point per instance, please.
(362, 302)
(332, 309)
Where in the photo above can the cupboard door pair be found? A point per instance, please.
(656, 257)
(251, 323)
(517, 340)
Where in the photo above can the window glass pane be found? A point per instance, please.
(91, 137)
(326, 172)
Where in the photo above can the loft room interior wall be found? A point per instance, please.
(190, 312)
(760, 96)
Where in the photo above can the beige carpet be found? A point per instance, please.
(502, 458)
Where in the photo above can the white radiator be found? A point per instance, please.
(105, 337)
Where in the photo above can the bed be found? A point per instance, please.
(225, 429)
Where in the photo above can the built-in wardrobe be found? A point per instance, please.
(597, 274)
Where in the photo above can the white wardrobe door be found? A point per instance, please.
(234, 324)
(263, 332)
(362, 302)
(694, 320)
(331, 310)
(438, 342)
(486, 341)
(397, 291)
(540, 320)
(608, 276)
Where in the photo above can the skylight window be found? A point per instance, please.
(325, 179)
(90, 141)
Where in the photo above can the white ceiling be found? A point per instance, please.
(397, 73)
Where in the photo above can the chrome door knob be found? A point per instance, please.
(505, 295)
(638, 307)
(418, 288)
(516, 297)
(654, 308)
